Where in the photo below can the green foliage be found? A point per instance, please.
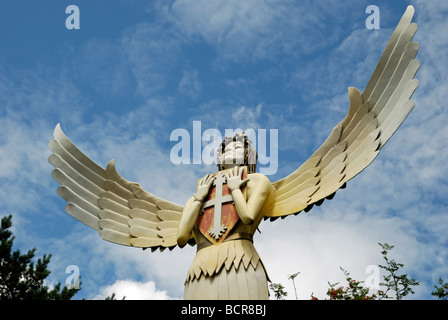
(353, 291)
(112, 297)
(399, 283)
(441, 292)
(393, 281)
(278, 290)
(20, 277)
(292, 277)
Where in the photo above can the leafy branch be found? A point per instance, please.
(394, 282)
(441, 292)
(400, 283)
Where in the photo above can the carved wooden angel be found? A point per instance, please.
(227, 207)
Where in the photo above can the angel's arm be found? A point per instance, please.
(191, 210)
(249, 210)
(188, 220)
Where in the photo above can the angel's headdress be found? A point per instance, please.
(250, 154)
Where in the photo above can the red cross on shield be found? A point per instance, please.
(218, 213)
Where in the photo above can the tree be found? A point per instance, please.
(400, 284)
(112, 297)
(353, 291)
(20, 277)
(441, 292)
(292, 277)
(278, 290)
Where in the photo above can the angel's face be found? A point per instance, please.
(233, 154)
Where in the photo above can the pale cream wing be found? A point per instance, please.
(355, 142)
(121, 211)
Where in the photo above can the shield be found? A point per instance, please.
(218, 213)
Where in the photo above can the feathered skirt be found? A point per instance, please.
(231, 270)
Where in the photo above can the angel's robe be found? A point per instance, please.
(231, 269)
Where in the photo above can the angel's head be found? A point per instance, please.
(237, 151)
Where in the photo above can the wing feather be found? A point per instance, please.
(69, 196)
(334, 152)
(89, 194)
(147, 242)
(355, 142)
(303, 186)
(144, 214)
(118, 190)
(76, 166)
(143, 232)
(113, 225)
(114, 198)
(107, 204)
(70, 176)
(143, 205)
(144, 223)
(301, 197)
(114, 236)
(121, 211)
(168, 215)
(82, 215)
(166, 205)
(168, 225)
(404, 22)
(112, 215)
(72, 150)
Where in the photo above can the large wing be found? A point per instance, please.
(121, 211)
(355, 142)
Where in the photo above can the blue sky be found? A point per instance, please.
(137, 70)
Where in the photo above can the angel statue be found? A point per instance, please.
(222, 215)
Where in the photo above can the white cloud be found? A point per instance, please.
(151, 52)
(190, 83)
(103, 66)
(247, 117)
(132, 290)
(30, 101)
(243, 30)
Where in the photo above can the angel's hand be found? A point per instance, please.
(234, 179)
(204, 187)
